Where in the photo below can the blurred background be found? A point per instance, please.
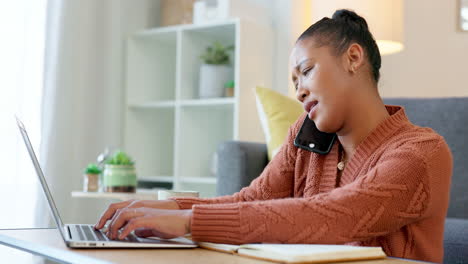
(166, 81)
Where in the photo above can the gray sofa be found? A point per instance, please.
(241, 162)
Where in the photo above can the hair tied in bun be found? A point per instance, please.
(344, 28)
(349, 16)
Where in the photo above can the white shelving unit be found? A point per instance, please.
(169, 130)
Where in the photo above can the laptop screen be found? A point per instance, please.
(42, 179)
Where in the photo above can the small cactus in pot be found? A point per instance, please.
(91, 178)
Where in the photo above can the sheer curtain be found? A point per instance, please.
(22, 23)
(83, 94)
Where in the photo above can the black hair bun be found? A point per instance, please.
(348, 17)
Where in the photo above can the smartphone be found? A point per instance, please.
(312, 139)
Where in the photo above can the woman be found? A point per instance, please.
(392, 192)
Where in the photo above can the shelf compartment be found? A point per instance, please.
(202, 129)
(194, 42)
(151, 67)
(149, 138)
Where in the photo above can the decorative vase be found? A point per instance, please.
(212, 80)
(119, 178)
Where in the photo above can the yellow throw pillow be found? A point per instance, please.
(277, 113)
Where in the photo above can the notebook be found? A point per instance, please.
(299, 253)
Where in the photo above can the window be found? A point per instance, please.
(22, 23)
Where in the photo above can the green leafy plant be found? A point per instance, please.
(217, 54)
(120, 158)
(92, 169)
(229, 84)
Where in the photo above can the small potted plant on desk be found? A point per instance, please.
(119, 173)
(91, 178)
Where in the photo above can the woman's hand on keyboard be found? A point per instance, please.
(146, 222)
(113, 209)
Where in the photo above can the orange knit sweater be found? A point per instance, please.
(393, 193)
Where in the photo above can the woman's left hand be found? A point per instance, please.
(150, 222)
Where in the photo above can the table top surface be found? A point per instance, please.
(49, 239)
(140, 194)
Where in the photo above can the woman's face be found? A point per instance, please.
(322, 82)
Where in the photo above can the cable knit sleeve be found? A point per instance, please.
(276, 180)
(394, 193)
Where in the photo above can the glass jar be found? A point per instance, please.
(119, 178)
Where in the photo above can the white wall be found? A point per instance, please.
(435, 60)
(288, 19)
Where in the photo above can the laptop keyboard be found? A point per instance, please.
(88, 233)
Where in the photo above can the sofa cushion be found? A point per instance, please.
(277, 113)
(239, 163)
(456, 241)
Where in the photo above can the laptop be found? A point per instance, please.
(85, 236)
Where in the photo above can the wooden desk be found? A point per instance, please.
(48, 241)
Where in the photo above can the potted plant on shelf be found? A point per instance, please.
(215, 70)
(119, 173)
(91, 178)
(229, 89)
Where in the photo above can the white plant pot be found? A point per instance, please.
(212, 80)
